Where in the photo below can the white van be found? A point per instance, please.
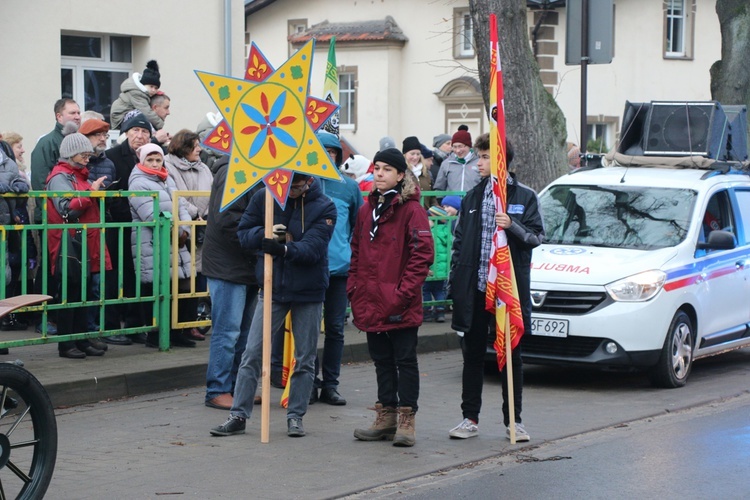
(643, 267)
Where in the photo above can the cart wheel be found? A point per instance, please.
(28, 435)
(204, 313)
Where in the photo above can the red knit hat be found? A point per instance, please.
(462, 136)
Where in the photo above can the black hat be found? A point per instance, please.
(392, 157)
(139, 121)
(411, 143)
(151, 74)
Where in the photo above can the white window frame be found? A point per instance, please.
(678, 28)
(79, 65)
(348, 95)
(463, 42)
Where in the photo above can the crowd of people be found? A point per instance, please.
(327, 238)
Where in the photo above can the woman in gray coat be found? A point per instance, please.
(150, 174)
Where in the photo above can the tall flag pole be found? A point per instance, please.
(331, 88)
(502, 292)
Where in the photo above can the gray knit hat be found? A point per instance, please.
(74, 144)
(440, 139)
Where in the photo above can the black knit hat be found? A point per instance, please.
(151, 74)
(392, 157)
(139, 121)
(410, 143)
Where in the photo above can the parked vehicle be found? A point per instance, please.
(643, 267)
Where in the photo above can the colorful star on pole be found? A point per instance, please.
(269, 125)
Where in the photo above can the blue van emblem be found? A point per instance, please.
(568, 251)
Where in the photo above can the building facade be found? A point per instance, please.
(84, 49)
(409, 68)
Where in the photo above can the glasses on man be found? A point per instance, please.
(299, 188)
(101, 135)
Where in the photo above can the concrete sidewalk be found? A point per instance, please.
(136, 370)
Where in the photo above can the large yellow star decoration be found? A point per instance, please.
(269, 125)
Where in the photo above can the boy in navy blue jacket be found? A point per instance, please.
(300, 279)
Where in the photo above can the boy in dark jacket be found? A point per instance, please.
(392, 250)
(468, 283)
(300, 279)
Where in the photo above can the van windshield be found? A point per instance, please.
(639, 218)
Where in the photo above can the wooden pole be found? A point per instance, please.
(265, 407)
(509, 374)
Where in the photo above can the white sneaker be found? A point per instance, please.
(521, 434)
(466, 429)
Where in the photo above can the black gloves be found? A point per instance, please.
(273, 247)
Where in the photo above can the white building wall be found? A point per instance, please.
(397, 86)
(639, 72)
(182, 35)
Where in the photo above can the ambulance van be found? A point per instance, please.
(644, 267)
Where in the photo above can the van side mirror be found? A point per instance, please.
(718, 240)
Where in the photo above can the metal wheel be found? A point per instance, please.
(204, 313)
(28, 435)
(676, 358)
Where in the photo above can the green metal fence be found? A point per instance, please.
(166, 293)
(159, 299)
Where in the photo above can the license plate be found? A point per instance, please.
(549, 327)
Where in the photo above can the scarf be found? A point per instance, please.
(384, 201)
(161, 173)
(463, 160)
(417, 169)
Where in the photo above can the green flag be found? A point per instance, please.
(331, 89)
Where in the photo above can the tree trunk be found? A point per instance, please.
(730, 77)
(534, 123)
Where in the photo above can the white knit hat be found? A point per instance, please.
(74, 144)
(356, 166)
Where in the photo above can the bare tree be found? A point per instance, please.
(535, 124)
(730, 77)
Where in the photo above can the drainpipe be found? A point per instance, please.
(228, 37)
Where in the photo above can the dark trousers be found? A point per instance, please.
(474, 347)
(394, 354)
(116, 314)
(334, 316)
(72, 319)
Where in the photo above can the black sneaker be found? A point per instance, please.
(313, 396)
(294, 427)
(233, 425)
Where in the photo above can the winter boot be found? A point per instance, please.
(405, 432)
(384, 426)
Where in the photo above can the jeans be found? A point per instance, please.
(394, 354)
(306, 328)
(334, 315)
(232, 307)
(434, 290)
(474, 347)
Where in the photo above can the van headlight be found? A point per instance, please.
(637, 288)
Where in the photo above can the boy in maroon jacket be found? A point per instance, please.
(392, 251)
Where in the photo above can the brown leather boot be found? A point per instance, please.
(405, 434)
(384, 426)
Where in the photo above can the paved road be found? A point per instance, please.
(697, 453)
(159, 444)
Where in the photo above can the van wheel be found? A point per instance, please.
(676, 358)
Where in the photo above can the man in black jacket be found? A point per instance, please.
(138, 132)
(468, 283)
(234, 289)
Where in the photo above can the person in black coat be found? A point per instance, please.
(233, 286)
(468, 283)
(138, 132)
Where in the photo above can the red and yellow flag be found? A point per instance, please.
(288, 361)
(502, 292)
